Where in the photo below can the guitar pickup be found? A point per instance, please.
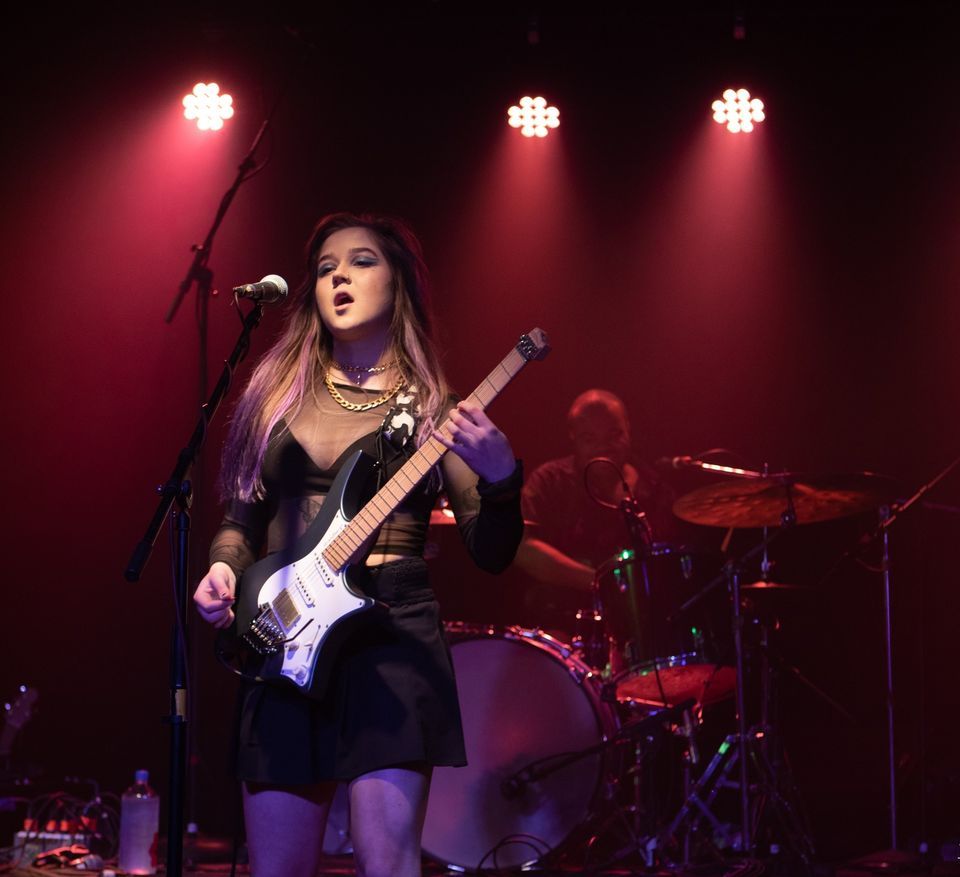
(304, 591)
(285, 609)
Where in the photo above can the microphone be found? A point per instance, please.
(684, 461)
(609, 462)
(272, 288)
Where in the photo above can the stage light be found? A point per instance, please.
(207, 106)
(533, 117)
(738, 111)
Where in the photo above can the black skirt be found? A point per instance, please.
(392, 697)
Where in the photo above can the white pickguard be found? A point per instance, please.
(322, 598)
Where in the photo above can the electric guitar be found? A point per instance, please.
(295, 605)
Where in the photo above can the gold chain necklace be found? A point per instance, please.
(362, 369)
(362, 406)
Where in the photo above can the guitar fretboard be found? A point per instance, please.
(352, 538)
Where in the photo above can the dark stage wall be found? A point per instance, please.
(790, 295)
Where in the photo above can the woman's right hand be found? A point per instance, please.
(214, 595)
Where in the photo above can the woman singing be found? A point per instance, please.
(356, 368)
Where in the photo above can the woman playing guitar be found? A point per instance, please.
(355, 369)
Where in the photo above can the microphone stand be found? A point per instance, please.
(178, 490)
(888, 516)
(200, 273)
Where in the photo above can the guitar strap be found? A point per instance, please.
(400, 424)
(395, 435)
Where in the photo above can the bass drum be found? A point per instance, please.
(528, 704)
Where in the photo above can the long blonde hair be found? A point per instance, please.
(291, 367)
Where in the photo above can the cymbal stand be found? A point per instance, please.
(747, 748)
(888, 515)
(700, 801)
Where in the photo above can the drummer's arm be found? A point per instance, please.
(544, 562)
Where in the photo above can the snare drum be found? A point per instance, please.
(529, 703)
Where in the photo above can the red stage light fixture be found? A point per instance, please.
(533, 117)
(207, 106)
(738, 111)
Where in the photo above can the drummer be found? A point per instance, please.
(571, 506)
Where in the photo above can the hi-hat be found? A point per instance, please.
(762, 502)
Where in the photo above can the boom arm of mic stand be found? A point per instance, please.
(198, 267)
(897, 508)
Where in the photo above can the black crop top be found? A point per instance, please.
(302, 460)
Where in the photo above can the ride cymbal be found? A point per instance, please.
(761, 502)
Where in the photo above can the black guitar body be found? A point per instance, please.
(292, 604)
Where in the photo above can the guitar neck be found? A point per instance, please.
(357, 533)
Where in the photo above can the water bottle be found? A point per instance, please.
(139, 826)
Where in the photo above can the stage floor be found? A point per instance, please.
(342, 866)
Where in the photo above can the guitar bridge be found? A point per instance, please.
(265, 636)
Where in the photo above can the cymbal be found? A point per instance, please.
(761, 502)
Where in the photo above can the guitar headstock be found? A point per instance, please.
(18, 713)
(533, 345)
(15, 715)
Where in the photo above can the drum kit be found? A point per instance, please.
(583, 749)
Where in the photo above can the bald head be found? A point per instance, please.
(598, 427)
(593, 402)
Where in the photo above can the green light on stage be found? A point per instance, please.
(694, 631)
(724, 748)
(627, 554)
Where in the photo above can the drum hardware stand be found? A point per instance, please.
(773, 785)
(638, 731)
(746, 747)
(514, 785)
(717, 776)
(641, 842)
